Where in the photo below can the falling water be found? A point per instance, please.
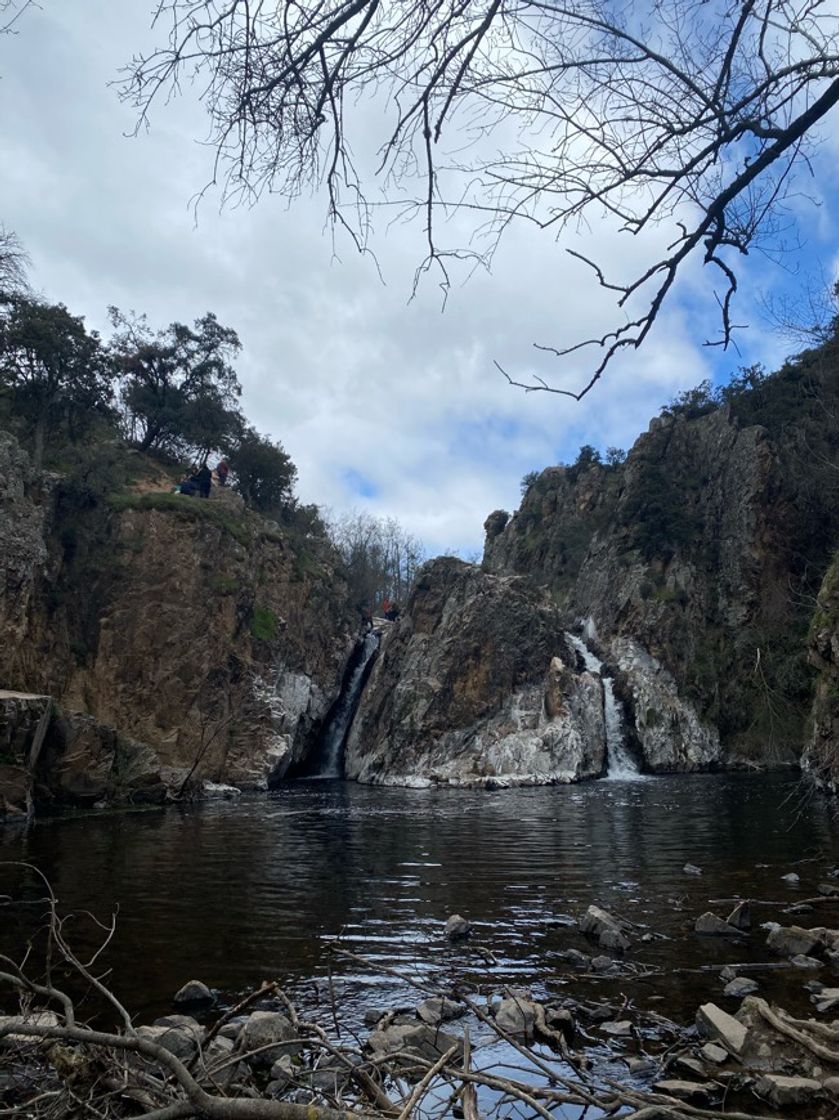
(620, 764)
(336, 733)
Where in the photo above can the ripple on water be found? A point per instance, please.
(264, 887)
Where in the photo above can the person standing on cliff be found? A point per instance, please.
(204, 479)
(222, 471)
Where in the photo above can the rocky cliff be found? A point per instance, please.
(477, 685)
(703, 552)
(196, 630)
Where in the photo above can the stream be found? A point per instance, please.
(239, 891)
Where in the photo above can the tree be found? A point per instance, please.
(381, 558)
(53, 371)
(13, 264)
(179, 391)
(263, 473)
(694, 116)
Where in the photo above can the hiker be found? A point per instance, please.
(392, 612)
(187, 486)
(204, 480)
(222, 471)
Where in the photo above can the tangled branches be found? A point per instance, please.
(694, 117)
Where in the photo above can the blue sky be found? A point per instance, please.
(384, 402)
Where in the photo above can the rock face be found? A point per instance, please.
(693, 559)
(195, 631)
(476, 685)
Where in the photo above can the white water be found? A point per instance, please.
(620, 765)
(336, 733)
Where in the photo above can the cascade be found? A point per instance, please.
(335, 735)
(620, 765)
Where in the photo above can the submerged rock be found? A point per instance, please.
(457, 928)
(608, 930)
(710, 925)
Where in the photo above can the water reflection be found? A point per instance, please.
(235, 893)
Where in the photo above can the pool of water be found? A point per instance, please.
(264, 888)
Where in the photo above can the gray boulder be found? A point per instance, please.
(710, 925)
(787, 1092)
(608, 930)
(741, 916)
(791, 940)
(517, 1016)
(739, 987)
(194, 991)
(457, 928)
(261, 1030)
(438, 1010)
(715, 1024)
(413, 1038)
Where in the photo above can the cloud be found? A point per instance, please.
(383, 401)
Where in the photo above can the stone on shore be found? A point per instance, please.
(413, 1038)
(715, 1024)
(785, 1092)
(826, 1000)
(181, 1042)
(263, 1028)
(711, 1052)
(516, 1016)
(710, 925)
(697, 1091)
(437, 1010)
(739, 987)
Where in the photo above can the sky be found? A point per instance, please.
(386, 403)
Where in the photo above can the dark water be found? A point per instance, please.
(237, 892)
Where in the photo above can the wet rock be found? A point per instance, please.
(457, 928)
(801, 960)
(692, 869)
(710, 925)
(829, 890)
(282, 1075)
(181, 1022)
(715, 1024)
(263, 1028)
(785, 1092)
(442, 1010)
(193, 992)
(608, 930)
(694, 1091)
(575, 958)
(739, 987)
(711, 1052)
(741, 916)
(217, 1065)
(516, 1016)
(605, 965)
(826, 1000)
(799, 908)
(566, 921)
(413, 1038)
(691, 1066)
(620, 1029)
(562, 1020)
(791, 878)
(790, 940)
(372, 1017)
(182, 1043)
(729, 972)
(639, 1066)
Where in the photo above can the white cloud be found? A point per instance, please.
(356, 380)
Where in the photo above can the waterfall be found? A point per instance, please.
(620, 765)
(331, 752)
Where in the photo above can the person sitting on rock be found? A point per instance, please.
(187, 486)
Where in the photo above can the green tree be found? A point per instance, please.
(179, 390)
(262, 472)
(55, 374)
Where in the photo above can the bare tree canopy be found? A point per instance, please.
(691, 115)
(13, 263)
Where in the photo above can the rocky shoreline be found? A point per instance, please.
(480, 1044)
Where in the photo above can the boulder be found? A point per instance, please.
(183, 1043)
(787, 1092)
(826, 1000)
(801, 960)
(710, 925)
(791, 940)
(438, 1010)
(194, 991)
(517, 1016)
(711, 1052)
(695, 1091)
(739, 987)
(715, 1024)
(457, 928)
(791, 878)
(608, 930)
(261, 1029)
(618, 1029)
(413, 1038)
